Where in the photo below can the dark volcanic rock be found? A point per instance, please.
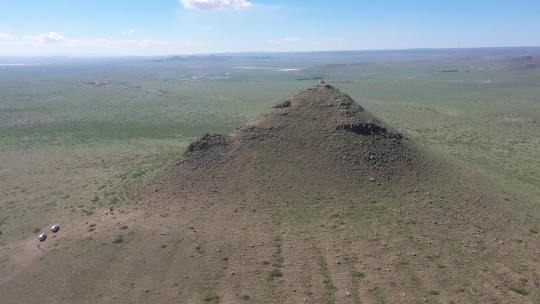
(206, 141)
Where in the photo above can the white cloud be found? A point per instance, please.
(102, 40)
(53, 43)
(216, 4)
(56, 38)
(133, 42)
(332, 39)
(291, 39)
(47, 38)
(128, 33)
(5, 36)
(284, 40)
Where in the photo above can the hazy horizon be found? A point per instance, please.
(191, 27)
(258, 53)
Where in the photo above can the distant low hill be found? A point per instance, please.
(525, 63)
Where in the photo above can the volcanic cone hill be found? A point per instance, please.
(319, 141)
(314, 201)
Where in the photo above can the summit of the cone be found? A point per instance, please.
(322, 109)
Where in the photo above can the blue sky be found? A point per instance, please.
(162, 27)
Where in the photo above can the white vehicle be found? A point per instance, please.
(55, 228)
(42, 237)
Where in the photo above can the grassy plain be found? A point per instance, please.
(77, 137)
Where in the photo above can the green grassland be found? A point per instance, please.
(75, 137)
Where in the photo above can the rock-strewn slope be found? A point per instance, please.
(318, 140)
